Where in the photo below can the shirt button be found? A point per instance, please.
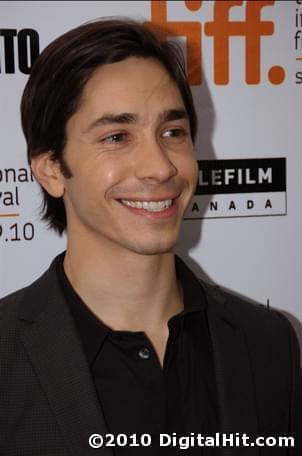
(144, 353)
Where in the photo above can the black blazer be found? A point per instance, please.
(48, 403)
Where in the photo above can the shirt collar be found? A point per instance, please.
(93, 332)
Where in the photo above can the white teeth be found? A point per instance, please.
(151, 206)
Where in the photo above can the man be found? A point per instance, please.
(119, 336)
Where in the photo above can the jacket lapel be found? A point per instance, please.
(51, 341)
(236, 400)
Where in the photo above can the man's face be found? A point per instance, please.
(130, 152)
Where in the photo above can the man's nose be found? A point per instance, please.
(153, 162)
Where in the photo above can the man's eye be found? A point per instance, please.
(174, 133)
(115, 138)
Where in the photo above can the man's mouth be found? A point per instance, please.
(151, 206)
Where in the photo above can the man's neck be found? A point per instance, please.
(125, 290)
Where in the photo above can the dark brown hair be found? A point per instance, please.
(54, 89)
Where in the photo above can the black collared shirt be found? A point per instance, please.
(136, 394)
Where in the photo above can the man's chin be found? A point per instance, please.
(159, 248)
(156, 251)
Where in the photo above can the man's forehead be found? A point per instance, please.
(134, 90)
(142, 75)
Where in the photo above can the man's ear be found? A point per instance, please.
(48, 173)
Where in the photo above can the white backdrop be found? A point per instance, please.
(230, 238)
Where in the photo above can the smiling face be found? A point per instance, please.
(130, 153)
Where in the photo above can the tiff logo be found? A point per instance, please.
(221, 29)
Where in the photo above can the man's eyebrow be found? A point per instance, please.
(174, 114)
(127, 118)
(106, 119)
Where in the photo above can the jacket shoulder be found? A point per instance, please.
(12, 304)
(267, 332)
(9, 304)
(247, 314)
